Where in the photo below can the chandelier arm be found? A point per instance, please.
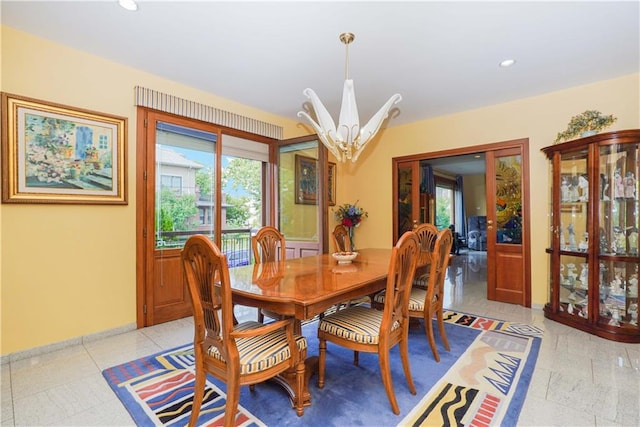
(373, 125)
(325, 121)
(324, 138)
(349, 117)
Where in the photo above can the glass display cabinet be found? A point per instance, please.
(594, 212)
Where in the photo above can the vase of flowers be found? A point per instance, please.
(350, 215)
(585, 124)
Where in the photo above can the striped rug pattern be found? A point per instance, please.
(484, 383)
(480, 386)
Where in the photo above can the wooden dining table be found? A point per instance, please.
(302, 288)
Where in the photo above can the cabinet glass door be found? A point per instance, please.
(618, 228)
(574, 237)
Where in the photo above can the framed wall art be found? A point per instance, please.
(53, 153)
(306, 180)
(331, 183)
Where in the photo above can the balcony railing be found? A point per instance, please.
(236, 243)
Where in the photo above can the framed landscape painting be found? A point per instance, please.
(53, 153)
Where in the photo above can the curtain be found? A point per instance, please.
(428, 184)
(461, 216)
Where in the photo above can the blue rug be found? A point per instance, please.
(483, 380)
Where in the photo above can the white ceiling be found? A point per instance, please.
(442, 57)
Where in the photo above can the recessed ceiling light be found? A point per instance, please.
(507, 63)
(128, 4)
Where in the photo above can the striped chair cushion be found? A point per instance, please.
(416, 300)
(421, 281)
(262, 352)
(358, 324)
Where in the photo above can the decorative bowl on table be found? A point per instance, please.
(344, 257)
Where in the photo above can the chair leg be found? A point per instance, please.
(404, 355)
(356, 357)
(231, 407)
(322, 356)
(198, 396)
(428, 327)
(260, 316)
(442, 332)
(385, 371)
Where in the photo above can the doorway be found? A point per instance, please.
(508, 258)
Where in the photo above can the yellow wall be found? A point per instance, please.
(68, 271)
(538, 118)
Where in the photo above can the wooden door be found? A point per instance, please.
(302, 196)
(506, 192)
(407, 197)
(173, 203)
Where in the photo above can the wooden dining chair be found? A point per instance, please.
(427, 234)
(426, 303)
(341, 239)
(269, 245)
(369, 330)
(245, 354)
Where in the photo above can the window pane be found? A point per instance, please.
(185, 177)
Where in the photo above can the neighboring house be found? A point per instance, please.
(178, 173)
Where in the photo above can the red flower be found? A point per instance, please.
(347, 222)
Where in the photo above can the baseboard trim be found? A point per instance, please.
(37, 351)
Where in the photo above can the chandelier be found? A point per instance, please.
(348, 139)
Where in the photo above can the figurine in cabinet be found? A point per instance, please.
(584, 275)
(629, 186)
(604, 187)
(619, 245)
(574, 189)
(615, 317)
(632, 289)
(563, 244)
(583, 188)
(564, 189)
(604, 245)
(573, 244)
(633, 241)
(633, 311)
(584, 243)
(618, 185)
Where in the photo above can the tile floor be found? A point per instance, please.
(579, 380)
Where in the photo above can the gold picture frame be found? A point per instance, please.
(331, 183)
(53, 153)
(306, 180)
(306, 175)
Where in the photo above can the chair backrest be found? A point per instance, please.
(402, 268)
(207, 275)
(268, 245)
(341, 239)
(427, 234)
(438, 267)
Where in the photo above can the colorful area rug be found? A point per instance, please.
(483, 380)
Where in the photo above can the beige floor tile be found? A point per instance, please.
(37, 374)
(121, 348)
(539, 412)
(583, 395)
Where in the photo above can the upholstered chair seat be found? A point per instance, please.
(358, 324)
(259, 353)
